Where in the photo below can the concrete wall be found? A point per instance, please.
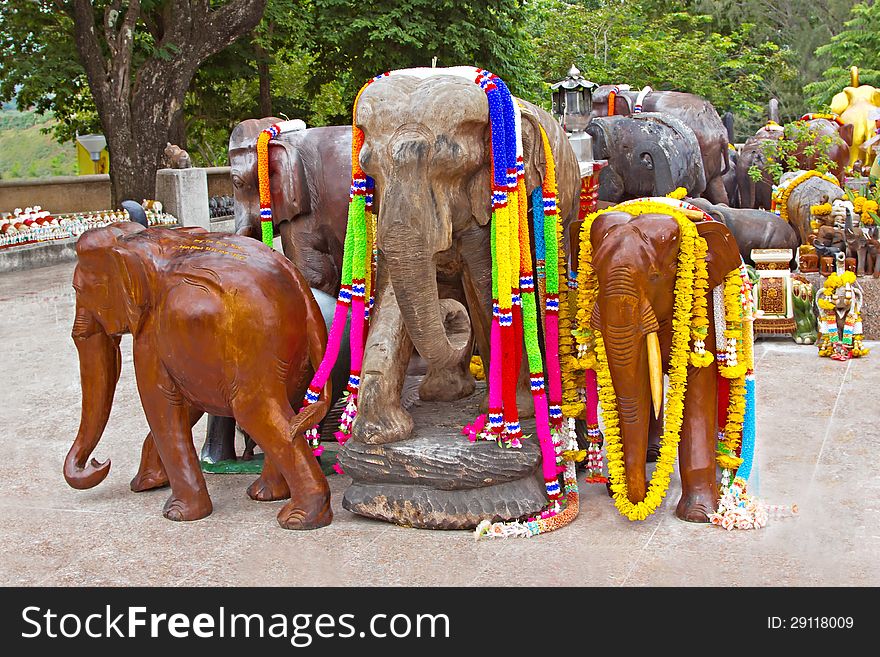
(82, 193)
(58, 194)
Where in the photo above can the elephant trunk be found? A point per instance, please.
(439, 328)
(629, 328)
(99, 366)
(412, 230)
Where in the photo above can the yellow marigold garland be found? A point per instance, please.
(678, 362)
(700, 323)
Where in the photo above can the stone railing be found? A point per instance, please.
(65, 194)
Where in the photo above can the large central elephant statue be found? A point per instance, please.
(635, 259)
(426, 145)
(695, 112)
(648, 154)
(219, 324)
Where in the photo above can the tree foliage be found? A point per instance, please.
(858, 44)
(657, 44)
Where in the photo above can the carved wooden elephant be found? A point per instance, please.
(649, 154)
(635, 259)
(426, 145)
(309, 175)
(220, 324)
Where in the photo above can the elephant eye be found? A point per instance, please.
(237, 181)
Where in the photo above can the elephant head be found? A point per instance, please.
(635, 259)
(426, 145)
(601, 97)
(111, 284)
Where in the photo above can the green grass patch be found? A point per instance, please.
(25, 152)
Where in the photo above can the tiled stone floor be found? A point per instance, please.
(819, 437)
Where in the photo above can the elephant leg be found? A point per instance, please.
(477, 283)
(696, 451)
(270, 485)
(168, 414)
(219, 440)
(151, 473)
(716, 192)
(655, 434)
(381, 418)
(275, 429)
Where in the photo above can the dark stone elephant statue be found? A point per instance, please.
(649, 154)
(191, 301)
(695, 112)
(309, 176)
(752, 229)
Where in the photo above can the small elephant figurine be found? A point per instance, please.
(220, 324)
(806, 330)
(176, 157)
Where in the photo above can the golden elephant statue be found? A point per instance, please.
(857, 104)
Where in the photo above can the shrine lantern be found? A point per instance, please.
(573, 100)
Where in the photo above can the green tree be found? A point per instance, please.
(658, 44)
(858, 44)
(356, 40)
(138, 57)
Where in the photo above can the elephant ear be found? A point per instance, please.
(287, 179)
(723, 252)
(131, 264)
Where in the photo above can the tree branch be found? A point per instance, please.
(89, 49)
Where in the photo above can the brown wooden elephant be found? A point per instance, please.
(220, 324)
(635, 259)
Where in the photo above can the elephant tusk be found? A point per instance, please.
(655, 371)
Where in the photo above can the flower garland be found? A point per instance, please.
(681, 326)
(779, 200)
(270, 133)
(828, 117)
(867, 208)
(355, 291)
(734, 364)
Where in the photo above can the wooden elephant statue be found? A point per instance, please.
(220, 324)
(635, 259)
(649, 154)
(426, 147)
(309, 172)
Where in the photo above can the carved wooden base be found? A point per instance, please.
(438, 479)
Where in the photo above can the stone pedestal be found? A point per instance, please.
(184, 194)
(438, 479)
